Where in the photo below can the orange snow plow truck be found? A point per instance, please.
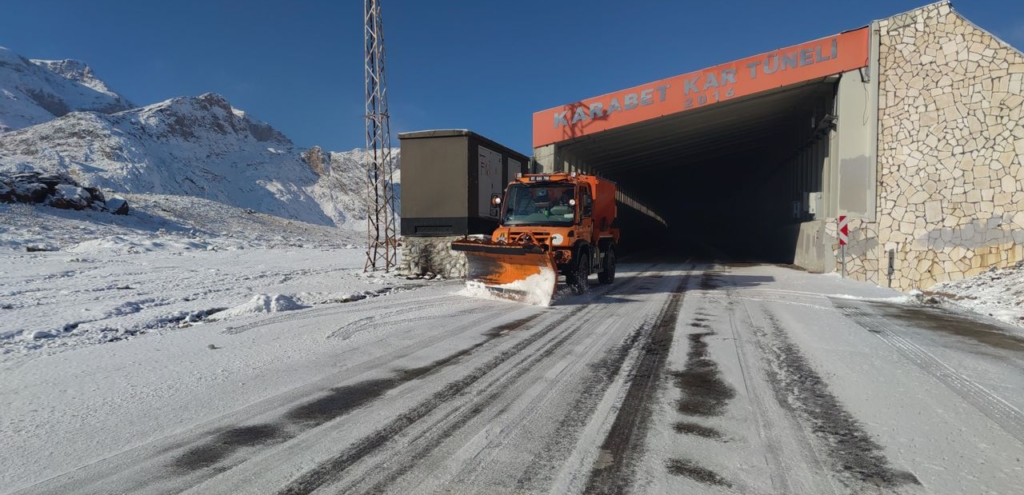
(550, 224)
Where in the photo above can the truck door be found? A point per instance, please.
(586, 214)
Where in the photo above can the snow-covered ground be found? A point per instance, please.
(195, 346)
(998, 292)
(69, 279)
(677, 378)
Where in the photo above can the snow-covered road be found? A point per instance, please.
(680, 377)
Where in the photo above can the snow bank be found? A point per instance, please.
(261, 304)
(998, 293)
(135, 244)
(535, 289)
(910, 298)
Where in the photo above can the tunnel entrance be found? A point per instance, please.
(742, 161)
(731, 181)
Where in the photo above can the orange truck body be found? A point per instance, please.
(551, 224)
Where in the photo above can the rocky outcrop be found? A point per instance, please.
(192, 118)
(58, 191)
(432, 255)
(318, 161)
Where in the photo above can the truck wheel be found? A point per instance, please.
(579, 281)
(607, 274)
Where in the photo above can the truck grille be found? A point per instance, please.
(538, 237)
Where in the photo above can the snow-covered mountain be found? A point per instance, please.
(192, 146)
(77, 71)
(36, 91)
(342, 186)
(198, 147)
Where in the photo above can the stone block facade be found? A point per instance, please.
(950, 154)
(422, 255)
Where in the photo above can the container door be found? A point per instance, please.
(490, 181)
(514, 167)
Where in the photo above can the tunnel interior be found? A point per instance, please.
(730, 180)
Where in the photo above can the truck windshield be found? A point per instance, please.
(539, 204)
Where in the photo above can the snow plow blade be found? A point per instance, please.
(524, 273)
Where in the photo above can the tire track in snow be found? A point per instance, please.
(340, 401)
(615, 468)
(317, 313)
(511, 389)
(454, 422)
(1008, 417)
(331, 471)
(209, 452)
(704, 393)
(852, 454)
(594, 388)
(690, 469)
(190, 458)
(380, 319)
(768, 433)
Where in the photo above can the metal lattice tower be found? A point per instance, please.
(382, 245)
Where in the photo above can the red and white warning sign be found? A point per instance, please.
(844, 231)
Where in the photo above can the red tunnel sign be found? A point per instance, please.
(815, 59)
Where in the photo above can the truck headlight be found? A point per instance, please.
(557, 239)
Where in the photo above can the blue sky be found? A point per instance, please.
(481, 65)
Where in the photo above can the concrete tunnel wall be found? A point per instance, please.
(950, 153)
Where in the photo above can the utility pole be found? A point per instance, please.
(382, 238)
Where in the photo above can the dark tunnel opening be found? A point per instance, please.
(732, 181)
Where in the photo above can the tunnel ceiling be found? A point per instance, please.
(729, 138)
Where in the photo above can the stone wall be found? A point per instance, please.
(423, 255)
(950, 153)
